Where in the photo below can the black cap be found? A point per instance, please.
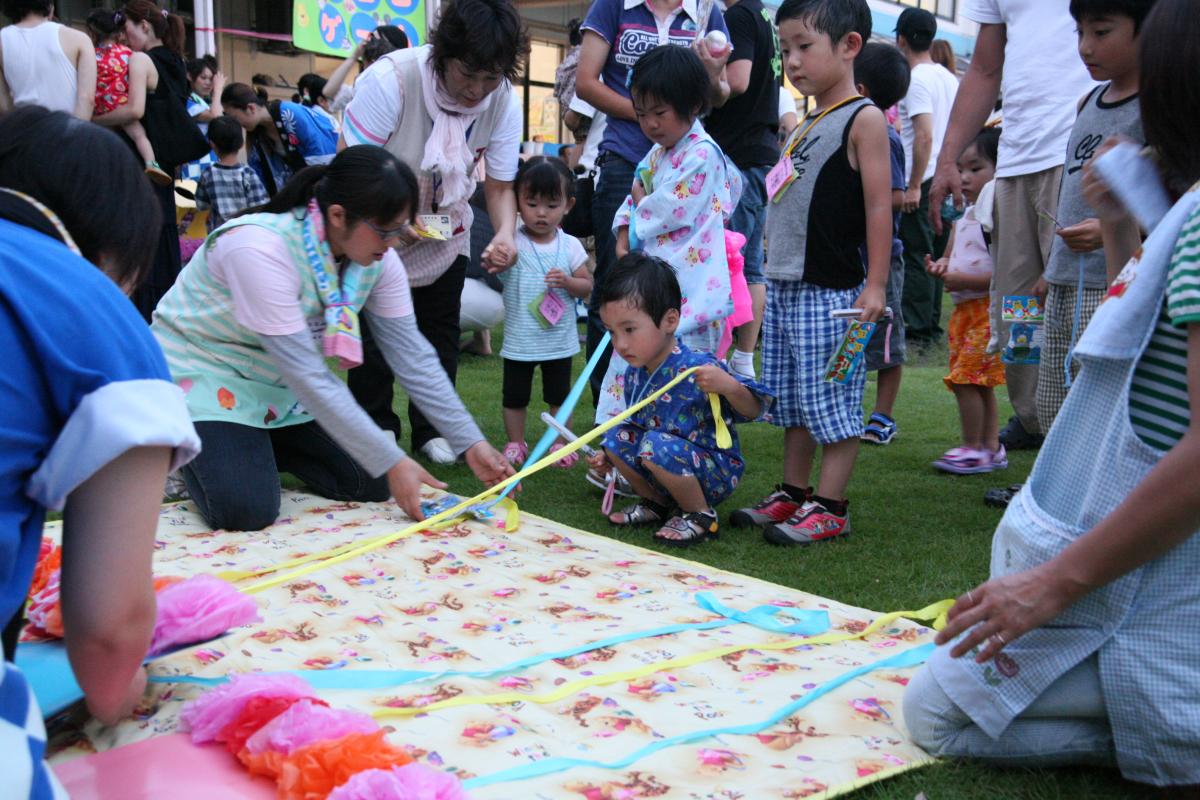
(917, 25)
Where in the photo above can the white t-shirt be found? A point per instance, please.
(787, 103)
(374, 113)
(591, 145)
(257, 267)
(1043, 81)
(930, 91)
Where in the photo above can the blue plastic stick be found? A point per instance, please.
(564, 413)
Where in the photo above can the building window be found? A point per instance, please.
(946, 9)
(542, 117)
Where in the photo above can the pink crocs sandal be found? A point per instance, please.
(567, 461)
(516, 452)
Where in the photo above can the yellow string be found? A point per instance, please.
(724, 438)
(935, 612)
(312, 563)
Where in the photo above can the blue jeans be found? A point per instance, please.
(749, 219)
(1066, 725)
(234, 482)
(613, 185)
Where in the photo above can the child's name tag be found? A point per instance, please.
(780, 178)
(552, 307)
(437, 226)
(850, 353)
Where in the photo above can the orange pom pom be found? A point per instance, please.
(49, 559)
(316, 770)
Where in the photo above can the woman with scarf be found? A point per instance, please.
(248, 326)
(282, 137)
(442, 108)
(89, 419)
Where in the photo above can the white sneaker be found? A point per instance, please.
(438, 451)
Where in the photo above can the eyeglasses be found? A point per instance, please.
(386, 233)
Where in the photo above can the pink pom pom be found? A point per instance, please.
(410, 782)
(305, 723)
(208, 714)
(198, 609)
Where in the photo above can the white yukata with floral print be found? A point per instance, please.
(691, 192)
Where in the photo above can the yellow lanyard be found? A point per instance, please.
(787, 153)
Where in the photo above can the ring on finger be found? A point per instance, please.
(999, 637)
(970, 599)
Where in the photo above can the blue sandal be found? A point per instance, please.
(880, 430)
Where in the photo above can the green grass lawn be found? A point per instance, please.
(918, 536)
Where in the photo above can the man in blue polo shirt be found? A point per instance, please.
(616, 34)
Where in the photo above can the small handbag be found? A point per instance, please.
(578, 222)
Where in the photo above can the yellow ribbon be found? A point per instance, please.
(312, 563)
(724, 438)
(935, 612)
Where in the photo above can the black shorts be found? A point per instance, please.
(518, 381)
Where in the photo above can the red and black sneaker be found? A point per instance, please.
(774, 508)
(812, 523)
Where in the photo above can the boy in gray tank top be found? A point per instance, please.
(1077, 275)
(831, 192)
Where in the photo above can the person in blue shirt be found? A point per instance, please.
(668, 451)
(90, 422)
(282, 137)
(616, 33)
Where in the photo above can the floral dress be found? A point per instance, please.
(691, 192)
(112, 78)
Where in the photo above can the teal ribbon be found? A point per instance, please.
(549, 766)
(803, 623)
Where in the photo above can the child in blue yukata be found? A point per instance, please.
(668, 451)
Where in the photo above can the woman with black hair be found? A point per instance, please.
(238, 331)
(282, 137)
(442, 107)
(90, 421)
(157, 85)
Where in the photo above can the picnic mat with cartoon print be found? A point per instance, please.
(473, 598)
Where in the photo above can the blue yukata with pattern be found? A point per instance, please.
(677, 431)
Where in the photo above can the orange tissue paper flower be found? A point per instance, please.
(49, 559)
(312, 772)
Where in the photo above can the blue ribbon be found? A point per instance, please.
(549, 766)
(564, 413)
(806, 623)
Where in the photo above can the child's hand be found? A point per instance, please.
(937, 268)
(638, 192)
(557, 279)
(599, 462)
(1040, 288)
(872, 301)
(622, 244)
(1083, 237)
(711, 379)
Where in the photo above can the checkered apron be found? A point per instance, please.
(1145, 626)
(23, 742)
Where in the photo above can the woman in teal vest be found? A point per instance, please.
(247, 328)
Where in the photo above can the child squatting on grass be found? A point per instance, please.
(668, 451)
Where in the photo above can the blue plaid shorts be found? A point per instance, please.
(798, 339)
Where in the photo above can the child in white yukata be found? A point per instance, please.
(684, 191)
(670, 451)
